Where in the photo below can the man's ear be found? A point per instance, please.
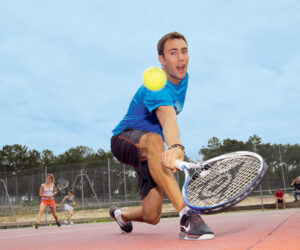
(161, 59)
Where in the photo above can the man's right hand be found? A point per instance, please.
(169, 157)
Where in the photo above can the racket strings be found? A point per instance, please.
(62, 184)
(226, 179)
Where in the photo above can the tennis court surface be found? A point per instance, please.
(278, 229)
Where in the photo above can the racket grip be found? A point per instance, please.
(179, 164)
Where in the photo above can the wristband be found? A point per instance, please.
(177, 146)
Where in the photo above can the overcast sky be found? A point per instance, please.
(68, 69)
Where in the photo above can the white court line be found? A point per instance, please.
(77, 229)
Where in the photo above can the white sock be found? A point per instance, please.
(119, 217)
(184, 211)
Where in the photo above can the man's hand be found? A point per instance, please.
(169, 157)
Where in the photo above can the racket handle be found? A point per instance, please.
(179, 164)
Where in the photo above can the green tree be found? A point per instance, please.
(14, 157)
(48, 158)
(75, 155)
(102, 155)
(33, 159)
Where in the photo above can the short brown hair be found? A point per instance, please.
(169, 36)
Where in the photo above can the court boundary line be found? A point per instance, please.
(77, 229)
(270, 233)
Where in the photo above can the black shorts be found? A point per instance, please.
(279, 200)
(124, 147)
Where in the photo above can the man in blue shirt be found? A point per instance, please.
(139, 140)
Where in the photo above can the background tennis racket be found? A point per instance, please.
(221, 182)
(61, 185)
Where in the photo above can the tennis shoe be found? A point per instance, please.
(193, 227)
(36, 225)
(58, 224)
(66, 222)
(114, 213)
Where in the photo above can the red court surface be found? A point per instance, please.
(248, 230)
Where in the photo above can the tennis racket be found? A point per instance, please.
(221, 182)
(61, 185)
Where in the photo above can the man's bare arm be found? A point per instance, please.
(168, 121)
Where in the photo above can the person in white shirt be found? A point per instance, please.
(47, 192)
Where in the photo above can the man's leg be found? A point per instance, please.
(151, 147)
(276, 203)
(283, 202)
(295, 195)
(192, 226)
(150, 211)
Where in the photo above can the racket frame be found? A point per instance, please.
(205, 165)
(59, 182)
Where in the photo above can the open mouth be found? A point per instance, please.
(181, 68)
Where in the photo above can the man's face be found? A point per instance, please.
(175, 60)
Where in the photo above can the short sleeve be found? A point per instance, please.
(154, 99)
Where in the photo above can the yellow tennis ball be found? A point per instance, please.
(154, 78)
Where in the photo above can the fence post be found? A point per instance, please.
(6, 199)
(261, 198)
(282, 172)
(260, 191)
(109, 186)
(82, 191)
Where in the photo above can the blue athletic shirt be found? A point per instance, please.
(141, 112)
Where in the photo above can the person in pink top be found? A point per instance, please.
(47, 192)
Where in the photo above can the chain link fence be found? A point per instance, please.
(100, 185)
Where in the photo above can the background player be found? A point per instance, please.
(69, 200)
(47, 192)
(139, 139)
